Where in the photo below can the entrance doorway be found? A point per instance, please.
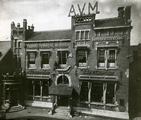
(62, 100)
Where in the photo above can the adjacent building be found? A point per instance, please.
(85, 67)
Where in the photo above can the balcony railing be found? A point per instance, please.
(82, 43)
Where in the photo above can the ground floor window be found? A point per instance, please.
(84, 91)
(37, 89)
(110, 93)
(97, 92)
(102, 92)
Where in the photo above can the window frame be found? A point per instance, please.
(107, 64)
(82, 64)
(44, 65)
(29, 62)
(84, 31)
(66, 57)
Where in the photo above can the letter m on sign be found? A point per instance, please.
(93, 8)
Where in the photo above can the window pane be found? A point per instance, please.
(45, 88)
(111, 56)
(37, 88)
(45, 58)
(101, 58)
(62, 57)
(82, 34)
(84, 91)
(77, 35)
(62, 80)
(110, 93)
(31, 60)
(97, 92)
(86, 34)
(82, 54)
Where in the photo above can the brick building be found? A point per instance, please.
(85, 67)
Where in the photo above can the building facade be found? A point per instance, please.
(86, 66)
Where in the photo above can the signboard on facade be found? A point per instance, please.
(91, 9)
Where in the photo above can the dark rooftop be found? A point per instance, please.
(51, 35)
(4, 47)
(109, 22)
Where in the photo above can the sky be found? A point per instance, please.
(53, 14)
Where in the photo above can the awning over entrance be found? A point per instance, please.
(61, 90)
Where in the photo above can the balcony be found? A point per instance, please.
(82, 43)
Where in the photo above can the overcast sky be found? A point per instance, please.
(53, 14)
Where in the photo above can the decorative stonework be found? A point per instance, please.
(48, 45)
(96, 72)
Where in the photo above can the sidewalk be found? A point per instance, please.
(33, 113)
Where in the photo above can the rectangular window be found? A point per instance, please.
(45, 88)
(62, 58)
(37, 88)
(110, 93)
(101, 58)
(31, 60)
(82, 35)
(111, 59)
(82, 58)
(97, 92)
(106, 58)
(84, 91)
(45, 60)
(86, 34)
(77, 35)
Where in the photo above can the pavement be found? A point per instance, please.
(32, 113)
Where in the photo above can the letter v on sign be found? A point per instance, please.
(81, 11)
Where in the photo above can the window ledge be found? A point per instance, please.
(84, 102)
(64, 69)
(110, 68)
(83, 40)
(97, 103)
(46, 97)
(32, 68)
(111, 105)
(84, 67)
(46, 68)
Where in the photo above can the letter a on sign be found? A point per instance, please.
(72, 11)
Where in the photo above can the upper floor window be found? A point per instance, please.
(82, 35)
(45, 59)
(62, 80)
(82, 58)
(31, 60)
(107, 58)
(62, 58)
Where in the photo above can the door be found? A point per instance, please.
(62, 100)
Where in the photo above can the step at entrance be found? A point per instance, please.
(62, 111)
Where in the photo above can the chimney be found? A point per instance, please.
(121, 12)
(128, 14)
(28, 27)
(24, 24)
(32, 27)
(12, 25)
(18, 25)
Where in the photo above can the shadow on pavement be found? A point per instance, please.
(35, 118)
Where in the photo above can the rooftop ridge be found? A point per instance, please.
(54, 30)
(109, 18)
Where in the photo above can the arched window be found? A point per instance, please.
(62, 80)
